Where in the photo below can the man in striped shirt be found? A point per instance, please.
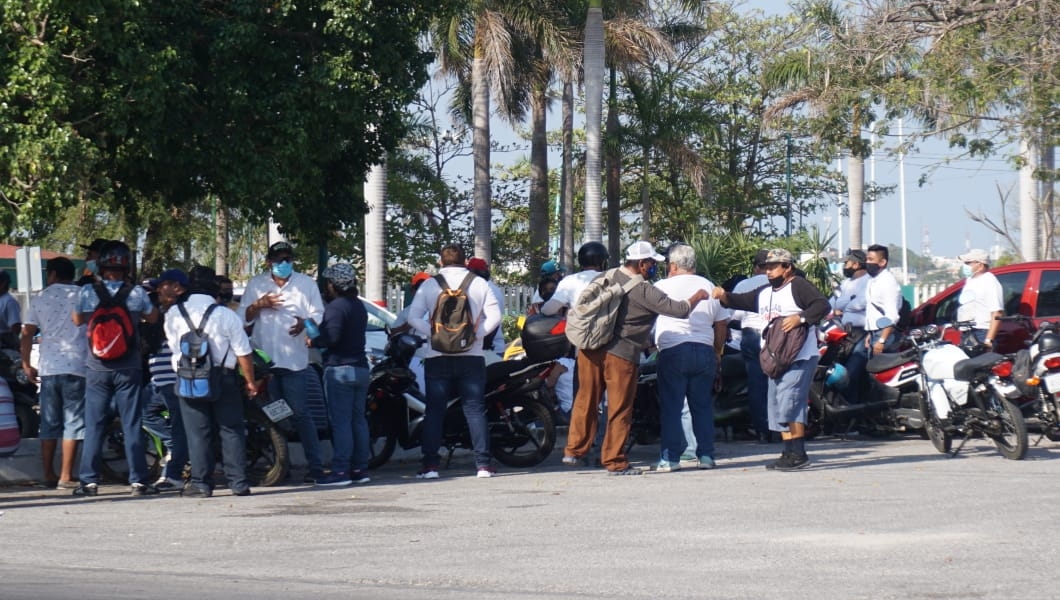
(158, 393)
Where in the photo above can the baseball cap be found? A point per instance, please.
(857, 256)
(643, 251)
(342, 276)
(975, 255)
(551, 267)
(477, 264)
(280, 248)
(419, 278)
(170, 275)
(779, 255)
(96, 245)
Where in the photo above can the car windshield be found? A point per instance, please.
(379, 318)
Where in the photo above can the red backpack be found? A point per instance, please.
(110, 328)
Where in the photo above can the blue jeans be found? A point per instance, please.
(290, 385)
(346, 388)
(855, 366)
(686, 371)
(119, 389)
(225, 415)
(171, 431)
(62, 407)
(448, 377)
(757, 382)
(888, 346)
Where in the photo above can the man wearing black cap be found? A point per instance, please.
(91, 272)
(751, 325)
(223, 412)
(276, 304)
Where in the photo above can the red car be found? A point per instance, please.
(1031, 289)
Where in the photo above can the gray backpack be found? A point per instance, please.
(591, 322)
(197, 379)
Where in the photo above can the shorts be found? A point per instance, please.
(62, 407)
(789, 394)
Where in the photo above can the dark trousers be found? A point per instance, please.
(446, 378)
(757, 382)
(225, 415)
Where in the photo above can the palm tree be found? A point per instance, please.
(594, 96)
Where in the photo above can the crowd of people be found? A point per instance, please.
(686, 318)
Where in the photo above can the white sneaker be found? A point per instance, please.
(485, 472)
(427, 473)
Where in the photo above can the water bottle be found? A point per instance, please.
(311, 329)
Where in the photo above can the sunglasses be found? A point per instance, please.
(283, 259)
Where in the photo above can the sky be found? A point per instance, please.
(937, 221)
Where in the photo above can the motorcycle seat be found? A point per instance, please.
(885, 362)
(965, 370)
(498, 372)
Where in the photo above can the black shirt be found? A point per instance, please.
(342, 333)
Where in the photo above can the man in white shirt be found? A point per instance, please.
(449, 375)
(592, 257)
(752, 324)
(981, 299)
(223, 411)
(884, 297)
(61, 372)
(689, 350)
(277, 304)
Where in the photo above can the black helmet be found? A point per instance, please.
(115, 255)
(592, 254)
(1049, 342)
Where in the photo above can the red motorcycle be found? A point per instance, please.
(887, 402)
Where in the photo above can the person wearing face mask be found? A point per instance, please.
(981, 300)
(848, 305)
(228, 292)
(795, 302)
(91, 272)
(884, 297)
(276, 304)
(614, 366)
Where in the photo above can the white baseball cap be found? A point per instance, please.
(976, 255)
(643, 251)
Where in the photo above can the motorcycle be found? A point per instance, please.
(518, 409)
(889, 395)
(27, 409)
(967, 396)
(731, 408)
(1036, 372)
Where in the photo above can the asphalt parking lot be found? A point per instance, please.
(870, 519)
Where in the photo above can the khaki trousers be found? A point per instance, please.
(598, 371)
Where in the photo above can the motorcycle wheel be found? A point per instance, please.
(28, 420)
(113, 466)
(1012, 441)
(526, 436)
(381, 442)
(941, 440)
(266, 448)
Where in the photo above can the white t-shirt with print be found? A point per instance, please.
(63, 345)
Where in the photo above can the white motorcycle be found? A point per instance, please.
(968, 396)
(1037, 374)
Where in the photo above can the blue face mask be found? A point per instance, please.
(282, 270)
(652, 271)
(90, 265)
(966, 270)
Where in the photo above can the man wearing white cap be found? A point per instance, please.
(981, 299)
(614, 366)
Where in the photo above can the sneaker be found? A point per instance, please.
(193, 491)
(67, 485)
(666, 466)
(793, 462)
(428, 473)
(86, 489)
(335, 478)
(485, 472)
(142, 489)
(168, 484)
(773, 465)
(243, 491)
(706, 462)
(626, 471)
(359, 477)
(688, 458)
(574, 461)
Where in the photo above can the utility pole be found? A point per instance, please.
(787, 175)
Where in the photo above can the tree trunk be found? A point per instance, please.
(221, 254)
(480, 149)
(856, 198)
(539, 229)
(1028, 189)
(566, 228)
(614, 170)
(594, 89)
(645, 197)
(375, 191)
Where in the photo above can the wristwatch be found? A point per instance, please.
(802, 319)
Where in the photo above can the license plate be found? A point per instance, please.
(1052, 383)
(277, 410)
